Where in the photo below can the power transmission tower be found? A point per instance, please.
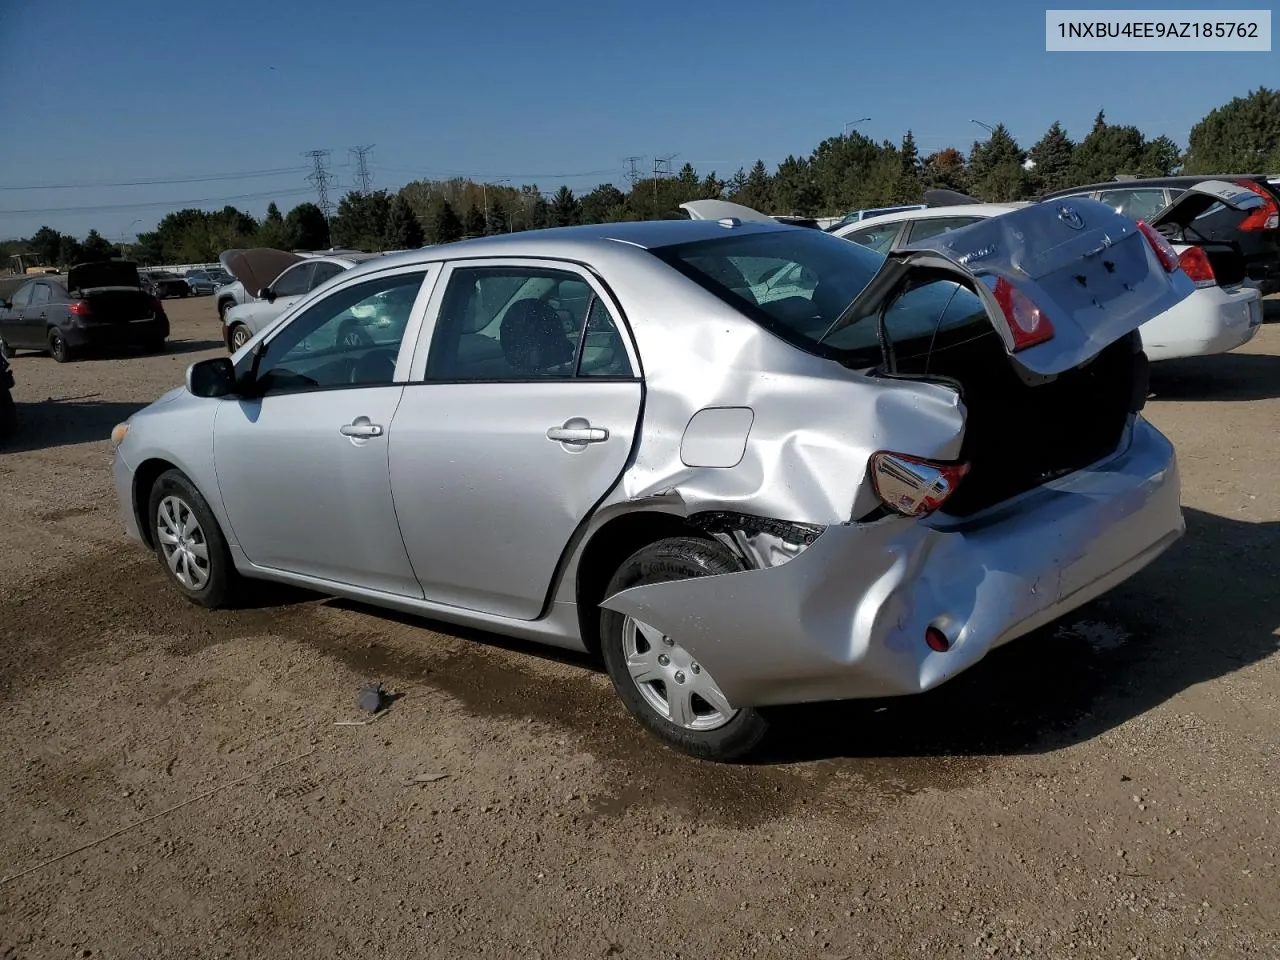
(632, 173)
(364, 177)
(661, 166)
(321, 178)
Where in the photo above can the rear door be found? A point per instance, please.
(1073, 274)
(36, 317)
(518, 419)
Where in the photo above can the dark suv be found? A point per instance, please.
(1255, 233)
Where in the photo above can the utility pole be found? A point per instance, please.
(364, 178)
(631, 174)
(484, 192)
(321, 178)
(661, 165)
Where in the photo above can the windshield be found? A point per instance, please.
(795, 283)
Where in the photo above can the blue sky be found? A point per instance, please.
(100, 92)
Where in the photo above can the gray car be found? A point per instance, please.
(598, 438)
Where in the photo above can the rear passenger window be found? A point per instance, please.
(936, 226)
(879, 238)
(324, 271)
(1139, 204)
(40, 295)
(523, 323)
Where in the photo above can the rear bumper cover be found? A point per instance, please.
(106, 335)
(1210, 321)
(846, 617)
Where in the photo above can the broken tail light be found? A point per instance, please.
(1267, 216)
(1027, 322)
(1195, 264)
(912, 486)
(1165, 253)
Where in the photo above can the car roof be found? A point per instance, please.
(930, 213)
(1183, 179)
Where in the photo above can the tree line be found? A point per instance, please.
(842, 173)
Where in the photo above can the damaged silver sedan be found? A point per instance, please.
(750, 464)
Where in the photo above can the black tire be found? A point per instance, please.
(239, 330)
(676, 558)
(6, 351)
(224, 585)
(223, 307)
(8, 414)
(58, 348)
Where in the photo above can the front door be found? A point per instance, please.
(11, 323)
(302, 469)
(521, 421)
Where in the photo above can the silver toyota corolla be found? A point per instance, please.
(750, 464)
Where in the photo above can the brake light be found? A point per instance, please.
(911, 486)
(1165, 253)
(1027, 322)
(80, 308)
(1195, 264)
(1267, 216)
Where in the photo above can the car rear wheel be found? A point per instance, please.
(661, 683)
(240, 335)
(58, 348)
(189, 542)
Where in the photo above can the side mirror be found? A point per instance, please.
(267, 294)
(211, 378)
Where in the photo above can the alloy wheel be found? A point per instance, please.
(186, 551)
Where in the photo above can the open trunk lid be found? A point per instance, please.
(723, 209)
(1196, 200)
(1088, 269)
(104, 273)
(258, 267)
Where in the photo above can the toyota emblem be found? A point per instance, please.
(1069, 216)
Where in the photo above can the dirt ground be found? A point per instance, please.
(1104, 788)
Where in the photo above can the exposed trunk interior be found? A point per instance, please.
(118, 305)
(1022, 429)
(1227, 262)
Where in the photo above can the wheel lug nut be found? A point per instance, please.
(696, 668)
(663, 659)
(679, 676)
(668, 641)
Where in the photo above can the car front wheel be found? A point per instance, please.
(661, 683)
(58, 348)
(189, 542)
(240, 335)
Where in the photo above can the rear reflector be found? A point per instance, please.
(1195, 264)
(80, 308)
(937, 640)
(1167, 256)
(1267, 216)
(1027, 322)
(911, 486)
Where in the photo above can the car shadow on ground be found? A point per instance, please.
(1203, 610)
(1271, 310)
(1227, 376)
(170, 347)
(62, 421)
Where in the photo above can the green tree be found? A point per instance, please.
(598, 205)
(911, 178)
(737, 183)
(47, 243)
(403, 231)
(272, 231)
(1052, 158)
(565, 209)
(1160, 157)
(996, 170)
(445, 225)
(1241, 136)
(361, 220)
(498, 220)
(308, 228)
(97, 247)
(69, 251)
(793, 191)
(757, 192)
(946, 169)
(1108, 150)
(473, 225)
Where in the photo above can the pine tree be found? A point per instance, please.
(403, 232)
(473, 224)
(498, 222)
(445, 225)
(565, 209)
(1052, 158)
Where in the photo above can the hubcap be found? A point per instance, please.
(240, 337)
(183, 543)
(671, 681)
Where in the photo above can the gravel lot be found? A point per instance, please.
(1104, 788)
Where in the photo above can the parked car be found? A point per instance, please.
(163, 284)
(857, 216)
(1223, 313)
(200, 282)
(97, 306)
(1256, 232)
(292, 277)
(8, 409)
(595, 437)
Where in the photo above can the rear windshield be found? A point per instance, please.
(795, 283)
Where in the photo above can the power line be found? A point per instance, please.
(158, 181)
(154, 204)
(363, 177)
(491, 177)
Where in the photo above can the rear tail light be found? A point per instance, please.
(1195, 264)
(1167, 256)
(1267, 216)
(1027, 322)
(79, 308)
(911, 486)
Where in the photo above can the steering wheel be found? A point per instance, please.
(376, 366)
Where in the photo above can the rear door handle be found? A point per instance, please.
(578, 431)
(361, 427)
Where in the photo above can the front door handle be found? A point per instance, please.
(578, 430)
(361, 427)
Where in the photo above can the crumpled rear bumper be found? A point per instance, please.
(846, 617)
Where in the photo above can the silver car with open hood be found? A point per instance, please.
(750, 464)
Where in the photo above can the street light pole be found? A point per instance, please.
(853, 123)
(985, 126)
(484, 192)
